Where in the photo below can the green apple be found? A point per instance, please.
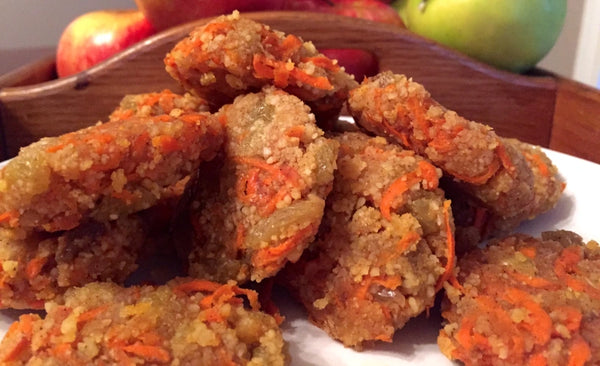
(509, 34)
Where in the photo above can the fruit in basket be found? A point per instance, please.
(167, 13)
(375, 10)
(97, 35)
(357, 62)
(509, 34)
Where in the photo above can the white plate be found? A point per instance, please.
(416, 344)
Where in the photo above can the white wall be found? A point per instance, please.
(576, 54)
(561, 58)
(39, 23)
(587, 61)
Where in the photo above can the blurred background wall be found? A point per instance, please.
(30, 29)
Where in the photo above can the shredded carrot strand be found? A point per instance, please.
(451, 247)
(454, 282)
(566, 264)
(538, 360)
(579, 352)
(539, 163)
(406, 241)
(11, 217)
(529, 252)
(240, 238)
(505, 158)
(535, 282)
(479, 179)
(464, 335)
(403, 137)
(23, 331)
(91, 314)
(540, 324)
(149, 353)
(62, 351)
(428, 172)
(166, 144)
(295, 131)
(570, 316)
(252, 189)
(217, 27)
(122, 358)
(258, 163)
(389, 282)
(322, 62)
(34, 267)
(271, 257)
(221, 295)
(262, 67)
(424, 172)
(318, 82)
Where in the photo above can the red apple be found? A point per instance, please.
(97, 35)
(375, 10)
(167, 13)
(357, 62)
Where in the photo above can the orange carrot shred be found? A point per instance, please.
(225, 293)
(537, 160)
(579, 352)
(570, 316)
(62, 351)
(23, 331)
(424, 171)
(240, 237)
(295, 131)
(11, 217)
(454, 282)
(450, 246)
(55, 148)
(216, 28)
(407, 240)
(166, 144)
(318, 82)
(479, 179)
(221, 295)
(11, 354)
(535, 282)
(464, 333)
(122, 359)
(149, 353)
(537, 359)
(322, 62)
(34, 267)
(529, 252)
(91, 314)
(540, 324)
(396, 189)
(566, 264)
(270, 257)
(403, 137)
(505, 158)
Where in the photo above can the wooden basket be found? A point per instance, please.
(540, 107)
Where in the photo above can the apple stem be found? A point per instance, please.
(422, 6)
